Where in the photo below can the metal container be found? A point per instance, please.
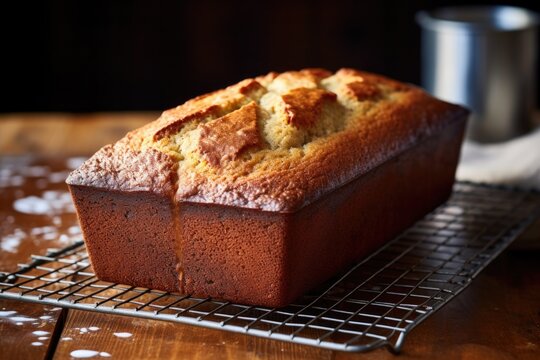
(483, 57)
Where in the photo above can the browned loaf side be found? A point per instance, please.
(260, 191)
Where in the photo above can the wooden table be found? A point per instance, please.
(497, 317)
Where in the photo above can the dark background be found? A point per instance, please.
(148, 55)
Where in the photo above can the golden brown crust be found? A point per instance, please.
(306, 145)
(224, 138)
(249, 86)
(175, 118)
(118, 167)
(303, 106)
(363, 90)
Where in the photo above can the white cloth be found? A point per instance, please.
(515, 162)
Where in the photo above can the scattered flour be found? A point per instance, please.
(51, 202)
(58, 177)
(40, 333)
(11, 180)
(123, 335)
(6, 172)
(7, 313)
(74, 162)
(11, 242)
(63, 238)
(50, 236)
(35, 171)
(41, 230)
(74, 230)
(83, 354)
(21, 319)
(32, 205)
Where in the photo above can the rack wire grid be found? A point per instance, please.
(376, 303)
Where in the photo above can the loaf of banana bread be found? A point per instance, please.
(261, 191)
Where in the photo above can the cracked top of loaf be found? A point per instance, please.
(276, 142)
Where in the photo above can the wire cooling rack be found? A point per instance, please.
(376, 303)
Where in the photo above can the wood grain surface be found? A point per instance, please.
(65, 134)
(497, 317)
